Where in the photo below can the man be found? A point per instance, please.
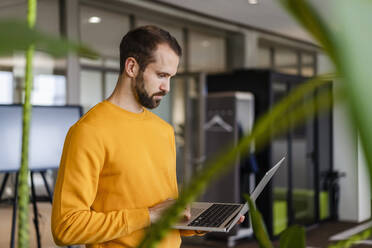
(118, 170)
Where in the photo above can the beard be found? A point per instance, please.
(141, 94)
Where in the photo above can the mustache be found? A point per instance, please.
(160, 93)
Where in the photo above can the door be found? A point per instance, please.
(294, 187)
(303, 168)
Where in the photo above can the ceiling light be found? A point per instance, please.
(253, 1)
(94, 19)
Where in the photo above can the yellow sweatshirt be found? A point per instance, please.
(115, 165)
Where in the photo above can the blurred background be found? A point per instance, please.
(240, 57)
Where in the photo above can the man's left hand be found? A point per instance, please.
(241, 220)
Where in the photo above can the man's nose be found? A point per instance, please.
(165, 86)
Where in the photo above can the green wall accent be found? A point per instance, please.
(303, 204)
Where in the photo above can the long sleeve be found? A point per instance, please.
(74, 221)
(185, 233)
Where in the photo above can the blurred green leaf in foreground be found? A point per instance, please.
(348, 45)
(286, 114)
(18, 36)
(292, 237)
(349, 48)
(258, 225)
(350, 51)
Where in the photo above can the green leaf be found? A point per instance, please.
(273, 123)
(355, 238)
(293, 237)
(258, 225)
(309, 18)
(18, 36)
(353, 44)
(350, 50)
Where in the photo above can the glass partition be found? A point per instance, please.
(111, 79)
(49, 82)
(280, 180)
(6, 87)
(103, 30)
(206, 52)
(308, 64)
(264, 57)
(303, 187)
(49, 90)
(91, 91)
(286, 61)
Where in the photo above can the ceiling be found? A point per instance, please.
(267, 14)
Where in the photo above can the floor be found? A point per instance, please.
(317, 236)
(44, 226)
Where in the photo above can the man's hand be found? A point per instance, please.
(187, 213)
(241, 220)
(157, 210)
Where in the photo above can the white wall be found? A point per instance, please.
(355, 197)
(364, 188)
(345, 157)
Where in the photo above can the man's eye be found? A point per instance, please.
(161, 76)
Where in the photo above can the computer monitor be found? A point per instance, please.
(48, 129)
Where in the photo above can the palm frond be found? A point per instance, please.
(261, 134)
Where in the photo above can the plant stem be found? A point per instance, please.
(23, 195)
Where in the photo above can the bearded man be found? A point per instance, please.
(118, 167)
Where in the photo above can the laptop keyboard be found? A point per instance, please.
(215, 215)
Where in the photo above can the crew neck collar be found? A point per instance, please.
(127, 113)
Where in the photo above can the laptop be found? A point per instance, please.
(222, 217)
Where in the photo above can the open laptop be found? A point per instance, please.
(221, 217)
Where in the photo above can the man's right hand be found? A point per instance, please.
(157, 210)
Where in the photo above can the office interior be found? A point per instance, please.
(239, 59)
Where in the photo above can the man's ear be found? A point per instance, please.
(131, 67)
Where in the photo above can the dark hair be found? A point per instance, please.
(140, 43)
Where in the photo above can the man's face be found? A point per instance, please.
(151, 85)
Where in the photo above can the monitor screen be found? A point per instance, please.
(48, 129)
